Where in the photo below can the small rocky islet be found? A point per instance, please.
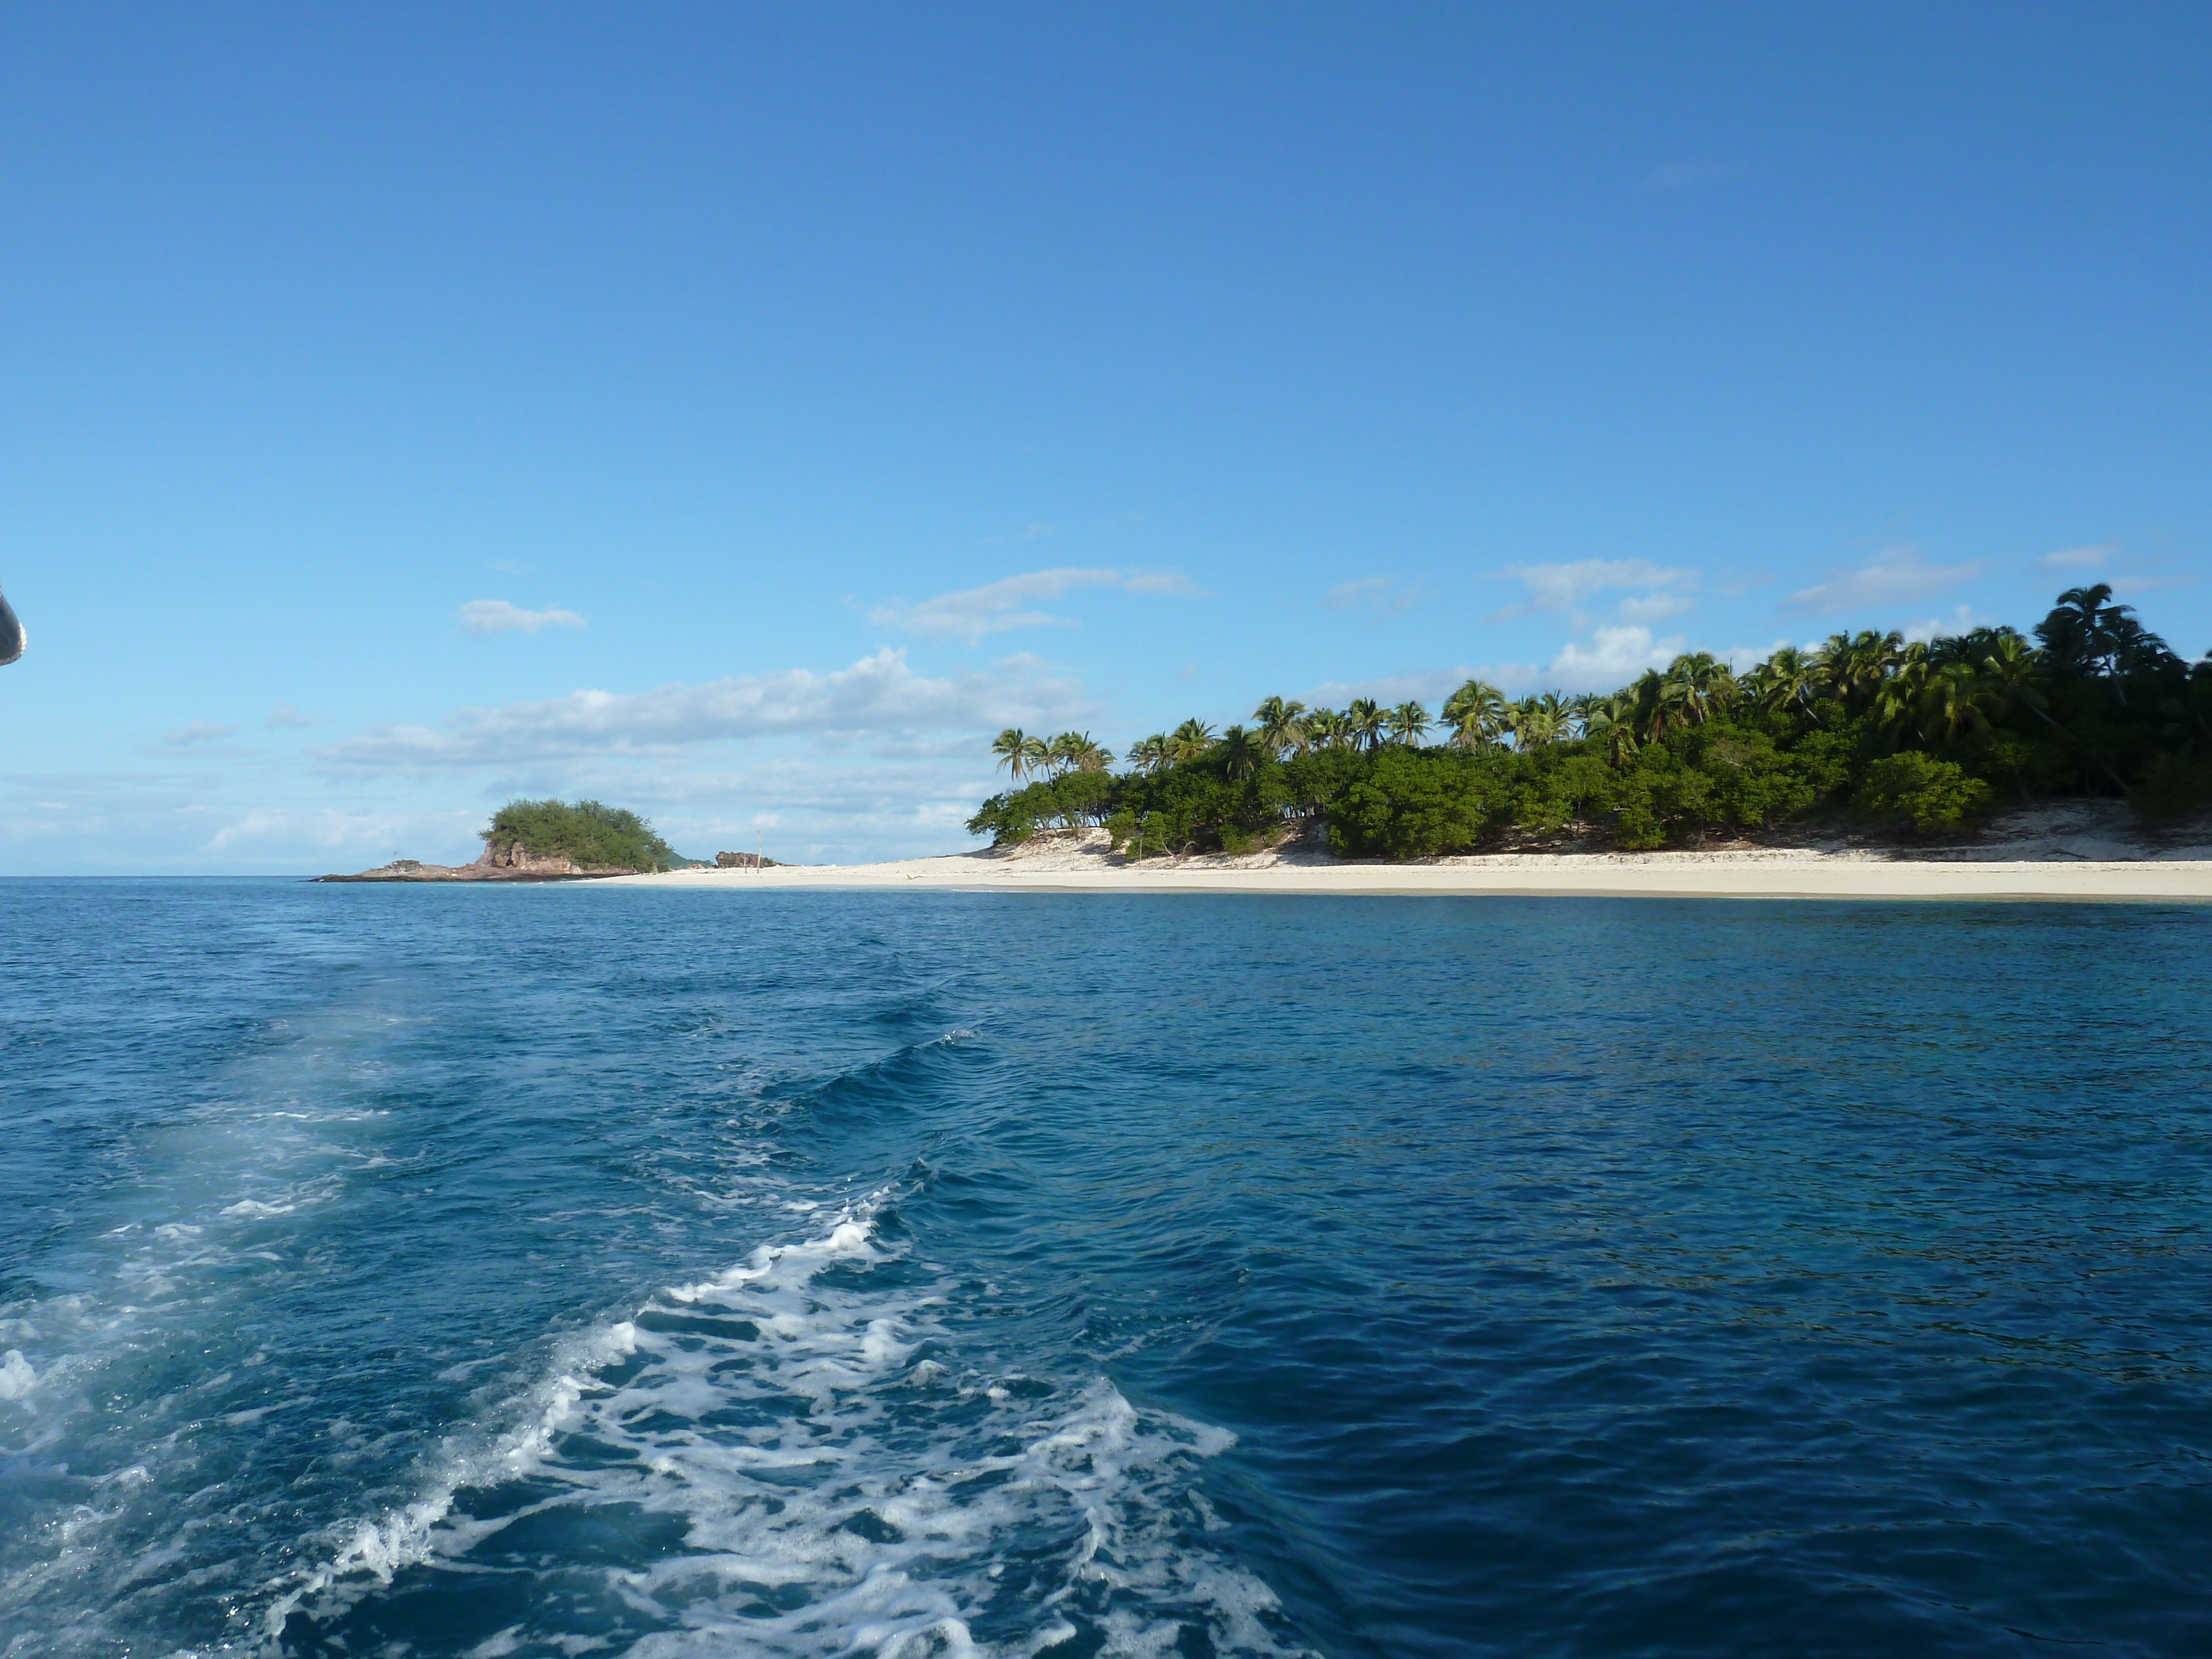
(557, 841)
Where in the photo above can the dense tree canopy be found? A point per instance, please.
(588, 831)
(1924, 738)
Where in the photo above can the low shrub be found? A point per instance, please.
(1934, 794)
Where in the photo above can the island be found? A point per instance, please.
(549, 841)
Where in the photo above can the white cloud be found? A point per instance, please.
(1562, 586)
(1655, 607)
(1896, 575)
(878, 696)
(2128, 586)
(498, 617)
(1429, 685)
(1385, 596)
(998, 606)
(2078, 558)
(1608, 660)
(812, 806)
(1960, 621)
(198, 731)
(369, 835)
(1614, 657)
(176, 823)
(285, 714)
(1162, 581)
(1741, 657)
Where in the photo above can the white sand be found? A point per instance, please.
(2074, 852)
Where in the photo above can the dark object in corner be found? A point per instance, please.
(11, 633)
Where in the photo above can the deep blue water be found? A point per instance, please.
(567, 1270)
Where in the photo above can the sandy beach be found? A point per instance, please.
(2078, 852)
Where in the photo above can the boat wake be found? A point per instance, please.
(793, 1458)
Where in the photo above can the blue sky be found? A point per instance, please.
(740, 414)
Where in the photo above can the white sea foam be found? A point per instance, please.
(17, 1379)
(844, 1480)
(106, 1390)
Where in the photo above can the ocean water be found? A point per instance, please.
(571, 1271)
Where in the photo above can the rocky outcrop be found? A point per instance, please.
(513, 861)
(506, 861)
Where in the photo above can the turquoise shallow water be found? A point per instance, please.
(575, 1271)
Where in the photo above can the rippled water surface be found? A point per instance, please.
(569, 1270)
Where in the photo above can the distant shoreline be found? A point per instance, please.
(1742, 874)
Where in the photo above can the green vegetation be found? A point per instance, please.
(588, 831)
(1920, 738)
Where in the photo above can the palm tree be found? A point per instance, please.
(1011, 747)
(1665, 702)
(1700, 686)
(2013, 669)
(2086, 636)
(1363, 722)
(1610, 722)
(1090, 755)
(1409, 724)
(1539, 721)
(1695, 686)
(1324, 729)
(2078, 637)
(1239, 751)
(1280, 728)
(1953, 704)
(1064, 751)
(1854, 665)
(1476, 714)
(1037, 755)
(1189, 741)
(1148, 755)
(1786, 679)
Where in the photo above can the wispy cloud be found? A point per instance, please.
(1741, 657)
(198, 731)
(1960, 621)
(2129, 586)
(2079, 558)
(1609, 659)
(1656, 607)
(367, 832)
(1379, 596)
(1896, 575)
(878, 697)
(1613, 657)
(285, 714)
(1161, 581)
(1562, 586)
(1011, 602)
(498, 617)
(2077, 563)
(1428, 685)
